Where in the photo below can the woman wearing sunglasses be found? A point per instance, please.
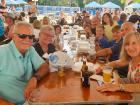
(19, 59)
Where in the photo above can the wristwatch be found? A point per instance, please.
(38, 77)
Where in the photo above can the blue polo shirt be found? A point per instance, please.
(16, 70)
(116, 49)
(103, 42)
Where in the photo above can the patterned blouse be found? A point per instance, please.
(134, 74)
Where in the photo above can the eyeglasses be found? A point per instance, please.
(48, 34)
(23, 36)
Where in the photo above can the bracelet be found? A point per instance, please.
(121, 87)
(38, 78)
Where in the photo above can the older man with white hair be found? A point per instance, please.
(21, 67)
(127, 27)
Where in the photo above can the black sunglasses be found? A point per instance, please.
(23, 36)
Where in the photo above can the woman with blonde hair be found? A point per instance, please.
(45, 21)
(130, 54)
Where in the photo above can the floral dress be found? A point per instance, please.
(134, 77)
(134, 74)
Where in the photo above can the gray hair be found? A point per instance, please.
(129, 24)
(22, 23)
(127, 38)
(95, 17)
(47, 27)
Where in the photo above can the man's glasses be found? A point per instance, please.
(23, 36)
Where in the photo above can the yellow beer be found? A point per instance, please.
(106, 75)
(61, 71)
(107, 72)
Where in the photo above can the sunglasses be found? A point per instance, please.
(23, 36)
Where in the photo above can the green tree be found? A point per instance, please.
(137, 1)
(87, 1)
(123, 1)
(81, 3)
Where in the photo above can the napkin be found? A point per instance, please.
(97, 77)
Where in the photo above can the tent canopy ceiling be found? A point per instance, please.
(110, 5)
(15, 2)
(133, 5)
(93, 4)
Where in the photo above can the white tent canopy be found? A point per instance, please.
(15, 2)
(133, 5)
(11, 2)
(110, 5)
(93, 5)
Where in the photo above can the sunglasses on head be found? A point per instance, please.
(23, 36)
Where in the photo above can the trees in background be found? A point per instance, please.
(80, 3)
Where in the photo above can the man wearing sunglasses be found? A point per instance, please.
(19, 59)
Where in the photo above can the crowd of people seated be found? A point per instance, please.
(23, 44)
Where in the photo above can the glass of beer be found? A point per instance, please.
(107, 72)
(61, 72)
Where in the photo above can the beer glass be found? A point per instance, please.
(61, 71)
(107, 72)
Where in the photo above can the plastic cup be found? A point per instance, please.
(107, 73)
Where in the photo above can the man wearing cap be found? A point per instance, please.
(18, 64)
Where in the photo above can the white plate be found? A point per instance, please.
(91, 67)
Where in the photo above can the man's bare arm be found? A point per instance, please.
(32, 83)
(104, 52)
(42, 70)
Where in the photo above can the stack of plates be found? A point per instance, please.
(73, 45)
(83, 46)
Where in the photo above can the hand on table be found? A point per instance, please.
(108, 87)
(31, 85)
(38, 95)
